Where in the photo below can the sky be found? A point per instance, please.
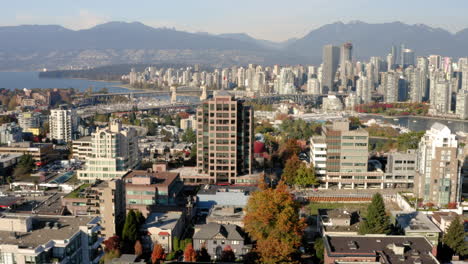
(276, 20)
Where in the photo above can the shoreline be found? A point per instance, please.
(416, 116)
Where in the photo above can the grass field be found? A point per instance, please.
(361, 207)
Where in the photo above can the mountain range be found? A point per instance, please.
(32, 47)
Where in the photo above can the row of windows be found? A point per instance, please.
(141, 192)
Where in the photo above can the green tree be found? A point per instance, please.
(305, 176)
(109, 256)
(454, 238)
(130, 229)
(377, 220)
(409, 140)
(189, 136)
(176, 242)
(24, 167)
(168, 120)
(272, 219)
(290, 170)
(318, 248)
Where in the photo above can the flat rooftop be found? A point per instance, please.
(161, 178)
(415, 222)
(9, 156)
(214, 189)
(41, 233)
(381, 247)
(162, 220)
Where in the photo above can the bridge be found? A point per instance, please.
(297, 98)
(173, 92)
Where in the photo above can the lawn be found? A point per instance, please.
(361, 207)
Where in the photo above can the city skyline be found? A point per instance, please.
(256, 19)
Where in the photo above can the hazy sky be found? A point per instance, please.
(266, 19)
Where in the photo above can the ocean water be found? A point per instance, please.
(30, 80)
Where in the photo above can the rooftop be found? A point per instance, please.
(44, 230)
(162, 220)
(386, 249)
(214, 189)
(9, 156)
(208, 231)
(415, 222)
(159, 178)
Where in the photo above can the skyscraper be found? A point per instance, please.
(408, 58)
(346, 53)
(437, 169)
(224, 139)
(391, 87)
(331, 58)
(114, 153)
(63, 124)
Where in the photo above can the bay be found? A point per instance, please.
(415, 123)
(31, 80)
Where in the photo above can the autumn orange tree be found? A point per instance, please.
(158, 254)
(189, 253)
(288, 149)
(290, 169)
(272, 219)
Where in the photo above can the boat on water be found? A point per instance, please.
(395, 119)
(414, 121)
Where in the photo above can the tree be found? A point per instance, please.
(318, 248)
(112, 243)
(109, 256)
(158, 254)
(189, 136)
(290, 169)
(454, 238)
(305, 176)
(189, 253)
(24, 167)
(176, 243)
(138, 248)
(409, 140)
(272, 219)
(140, 219)
(288, 149)
(130, 231)
(203, 256)
(377, 220)
(228, 255)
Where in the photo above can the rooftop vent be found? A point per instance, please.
(353, 245)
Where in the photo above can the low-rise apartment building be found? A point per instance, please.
(82, 148)
(103, 198)
(417, 224)
(340, 155)
(42, 153)
(146, 188)
(57, 239)
(401, 169)
(378, 249)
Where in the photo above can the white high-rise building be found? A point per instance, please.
(114, 153)
(391, 87)
(363, 91)
(63, 124)
(437, 177)
(286, 81)
(464, 72)
(313, 86)
(417, 83)
(442, 95)
(462, 104)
